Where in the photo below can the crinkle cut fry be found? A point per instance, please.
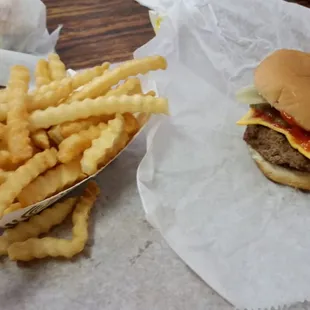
(4, 175)
(18, 139)
(3, 96)
(3, 131)
(52, 181)
(96, 107)
(40, 248)
(100, 85)
(60, 132)
(26, 173)
(40, 139)
(76, 144)
(49, 95)
(127, 88)
(102, 146)
(57, 67)
(42, 73)
(85, 76)
(13, 207)
(6, 161)
(37, 224)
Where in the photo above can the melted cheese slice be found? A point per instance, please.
(249, 119)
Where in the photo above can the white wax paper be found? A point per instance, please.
(23, 34)
(247, 237)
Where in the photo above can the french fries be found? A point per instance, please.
(3, 96)
(4, 175)
(130, 87)
(18, 138)
(42, 73)
(37, 225)
(55, 247)
(50, 95)
(21, 177)
(56, 67)
(2, 131)
(58, 134)
(131, 124)
(40, 139)
(102, 84)
(13, 207)
(3, 111)
(76, 144)
(85, 76)
(103, 145)
(96, 107)
(53, 180)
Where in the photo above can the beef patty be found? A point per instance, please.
(274, 148)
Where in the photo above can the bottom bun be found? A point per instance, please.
(278, 174)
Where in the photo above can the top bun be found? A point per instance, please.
(283, 79)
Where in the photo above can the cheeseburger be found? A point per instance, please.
(278, 121)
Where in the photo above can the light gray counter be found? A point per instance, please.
(127, 264)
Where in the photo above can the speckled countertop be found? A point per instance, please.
(127, 264)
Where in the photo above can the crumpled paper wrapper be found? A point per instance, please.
(245, 236)
(23, 34)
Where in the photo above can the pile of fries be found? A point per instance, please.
(22, 242)
(56, 135)
(67, 128)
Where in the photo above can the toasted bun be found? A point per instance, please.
(283, 79)
(278, 174)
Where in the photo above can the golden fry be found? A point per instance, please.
(151, 93)
(60, 132)
(54, 180)
(3, 111)
(21, 177)
(3, 96)
(18, 81)
(69, 128)
(81, 214)
(102, 84)
(17, 118)
(5, 160)
(54, 247)
(18, 140)
(4, 175)
(96, 107)
(2, 131)
(76, 144)
(13, 207)
(102, 146)
(56, 67)
(41, 223)
(37, 224)
(50, 95)
(87, 75)
(129, 86)
(40, 139)
(131, 124)
(55, 134)
(42, 73)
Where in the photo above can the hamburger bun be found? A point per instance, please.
(283, 79)
(278, 174)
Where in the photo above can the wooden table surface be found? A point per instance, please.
(101, 30)
(95, 31)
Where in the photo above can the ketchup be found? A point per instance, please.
(272, 116)
(289, 119)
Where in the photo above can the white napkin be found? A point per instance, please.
(23, 34)
(247, 237)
